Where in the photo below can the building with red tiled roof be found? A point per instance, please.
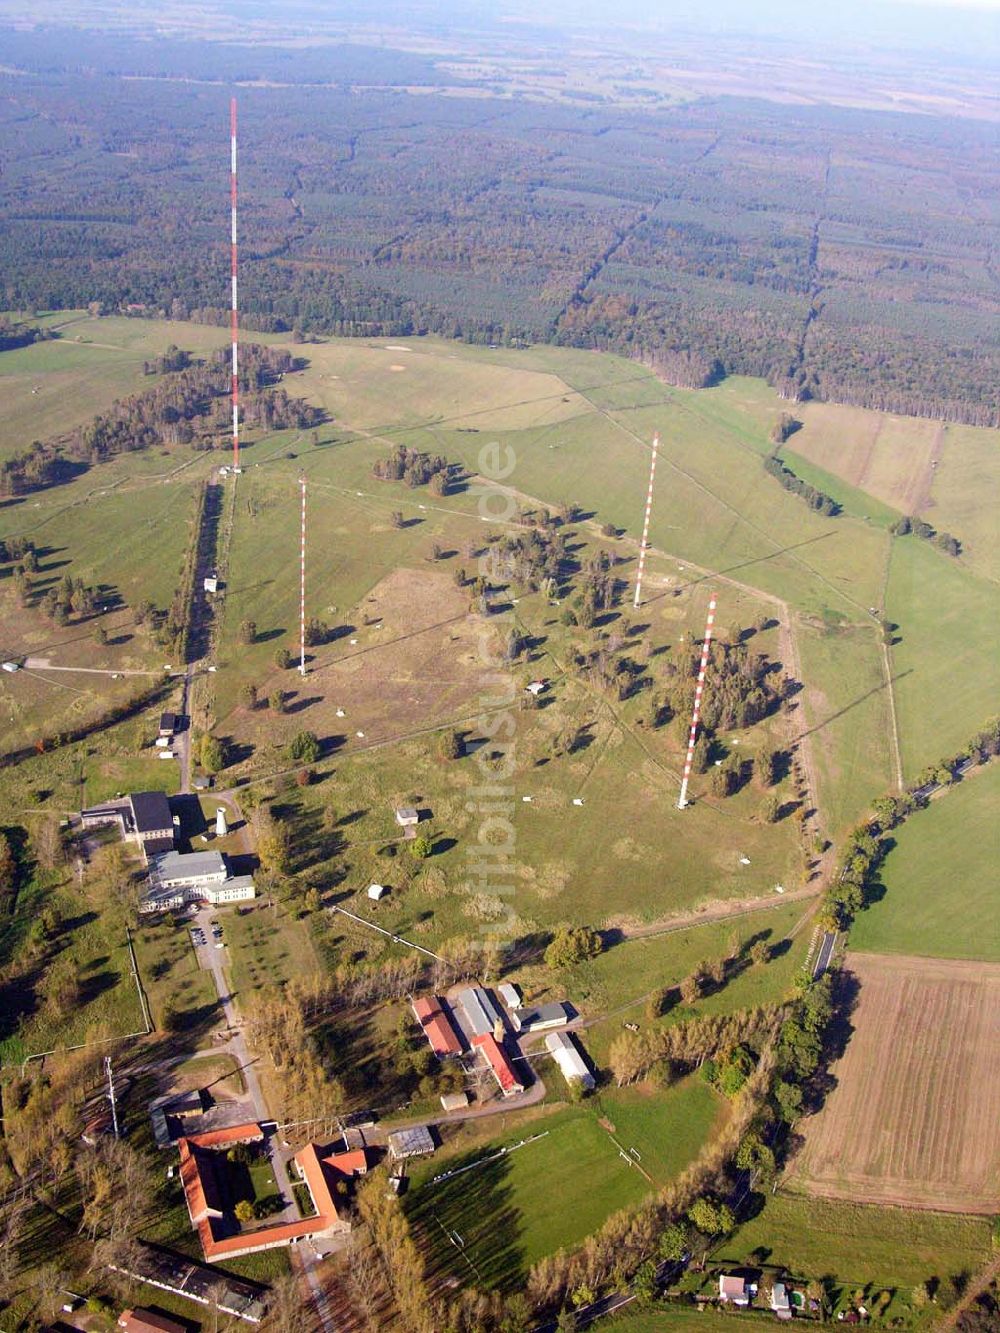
(437, 1027)
(498, 1062)
(149, 1321)
(202, 1159)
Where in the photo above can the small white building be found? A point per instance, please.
(535, 687)
(221, 826)
(566, 1054)
(407, 816)
(211, 583)
(510, 994)
(376, 892)
(454, 1101)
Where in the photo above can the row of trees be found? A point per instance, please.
(865, 845)
(944, 541)
(187, 406)
(814, 498)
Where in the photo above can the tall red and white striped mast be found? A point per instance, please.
(302, 584)
(696, 712)
(645, 523)
(233, 318)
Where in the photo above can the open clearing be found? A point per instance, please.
(945, 664)
(914, 1117)
(940, 879)
(510, 1214)
(860, 1242)
(965, 495)
(886, 455)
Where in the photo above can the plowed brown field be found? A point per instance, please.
(914, 1118)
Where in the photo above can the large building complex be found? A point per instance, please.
(203, 1170)
(175, 878)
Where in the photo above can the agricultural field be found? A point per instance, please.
(946, 673)
(859, 1243)
(887, 1133)
(965, 495)
(884, 455)
(508, 1213)
(938, 882)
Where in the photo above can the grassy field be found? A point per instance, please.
(947, 674)
(858, 1243)
(91, 939)
(965, 495)
(552, 1192)
(886, 1133)
(171, 977)
(266, 948)
(579, 426)
(887, 456)
(939, 879)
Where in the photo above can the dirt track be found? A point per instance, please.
(914, 1116)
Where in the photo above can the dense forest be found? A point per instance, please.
(840, 253)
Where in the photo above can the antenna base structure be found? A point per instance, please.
(682, 802)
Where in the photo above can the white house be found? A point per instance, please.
(566, 1054)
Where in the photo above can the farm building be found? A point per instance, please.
(540, 1018)
(168, 724)
(567, 1056)
(148, 1321)
(480, 1013)
(414, 1142)
(407, 817)
(496, 1056)
(454, 1101)
(510, 994)
(203, 1166)
(780, 1301)
(437, 1027)
(735, 1290)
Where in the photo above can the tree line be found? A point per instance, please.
(189, 405)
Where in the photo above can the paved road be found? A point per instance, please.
(825, 954)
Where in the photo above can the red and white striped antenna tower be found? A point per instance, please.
(302, 585)
(696, 713)
(645, 523)
(233, 318)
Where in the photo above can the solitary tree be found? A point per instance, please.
(760, 953)
(770, 808)
(213, 754)
(304, 748)
(244, 1211)
(421, 848)
(572, 944)
(452, 745)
